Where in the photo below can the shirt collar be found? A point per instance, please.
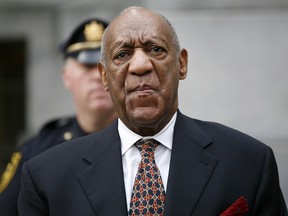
(128, 137)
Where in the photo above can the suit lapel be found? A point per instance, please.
(190, 168)
(102, 180)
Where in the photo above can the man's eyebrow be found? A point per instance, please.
(122, 43)
(145, 42)
(116, 44)
(154, 39)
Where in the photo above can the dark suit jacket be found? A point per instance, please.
(211, 167)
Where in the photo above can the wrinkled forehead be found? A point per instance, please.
(138, 24)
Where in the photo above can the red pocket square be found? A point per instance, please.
(238, 208)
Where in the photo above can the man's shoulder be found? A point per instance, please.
(220, 133)
(54, 126)
(57, 123)
(96, 141)
(51, 133)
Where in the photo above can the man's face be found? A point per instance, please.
(85, 84)
(142, 71)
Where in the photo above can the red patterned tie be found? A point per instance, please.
(148, 195)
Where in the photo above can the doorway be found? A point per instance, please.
(12, 95)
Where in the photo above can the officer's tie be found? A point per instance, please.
(148, 195)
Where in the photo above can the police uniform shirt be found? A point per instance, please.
(52, 134)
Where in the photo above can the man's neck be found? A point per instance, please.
(90, 123)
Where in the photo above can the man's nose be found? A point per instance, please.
(140, 63)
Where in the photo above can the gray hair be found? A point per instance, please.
(174, 35)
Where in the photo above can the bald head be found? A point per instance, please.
(131, 18)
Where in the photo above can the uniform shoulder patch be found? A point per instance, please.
(10, 170)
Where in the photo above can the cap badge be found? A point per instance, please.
(93, 31)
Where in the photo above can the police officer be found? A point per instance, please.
(93, 105)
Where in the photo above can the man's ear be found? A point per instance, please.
(66, 77)
(183, 60)
(103, 74)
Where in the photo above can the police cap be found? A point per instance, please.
(85, 41)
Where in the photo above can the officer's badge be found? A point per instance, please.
(9, 173)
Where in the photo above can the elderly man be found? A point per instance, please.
(154, 160)
(93, 105)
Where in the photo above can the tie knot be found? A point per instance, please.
(147, 146)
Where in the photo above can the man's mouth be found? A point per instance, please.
(145, 89)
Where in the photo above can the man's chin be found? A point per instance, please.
(145, 115)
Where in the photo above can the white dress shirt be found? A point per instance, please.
(131, 155)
